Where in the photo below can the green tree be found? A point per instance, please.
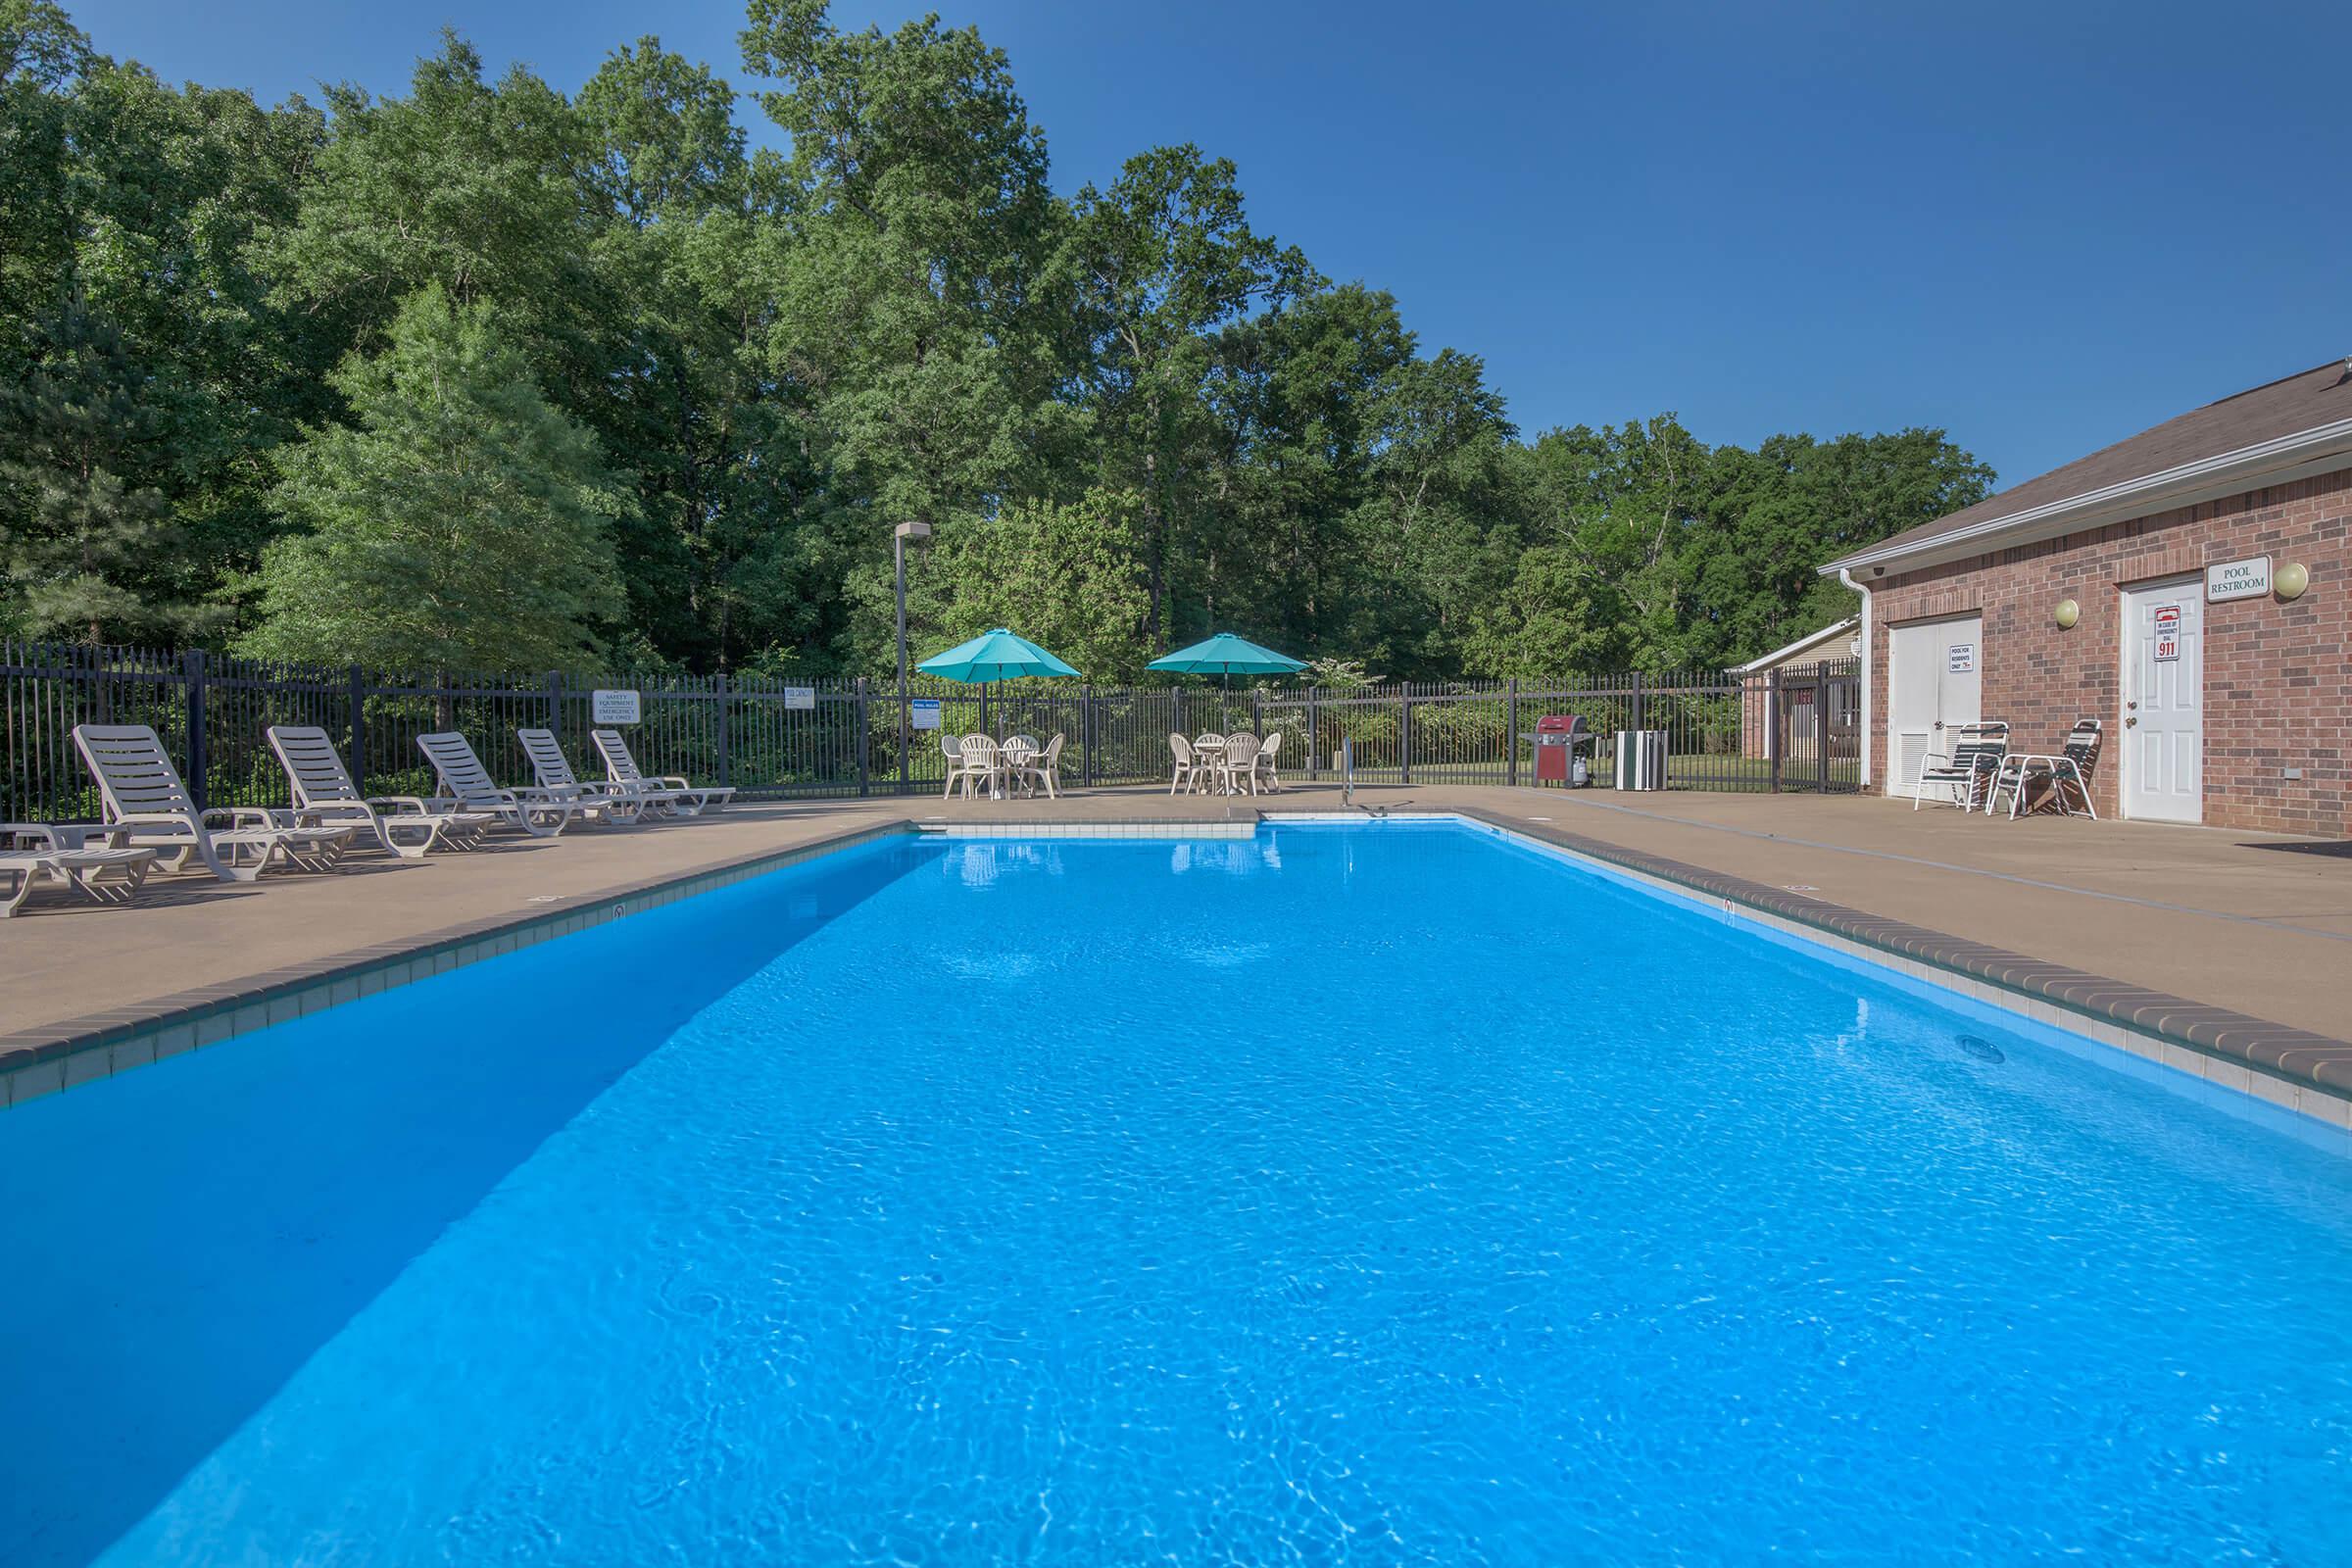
(91, 545)
(461, 523)
(1068, 576)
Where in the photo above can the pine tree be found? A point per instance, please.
(88, 537)
(460, 523)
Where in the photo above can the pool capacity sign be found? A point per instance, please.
(2239, 580)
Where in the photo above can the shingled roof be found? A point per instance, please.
(2308, 402)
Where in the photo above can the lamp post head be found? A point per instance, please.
(912, 531)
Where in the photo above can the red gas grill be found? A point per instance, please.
(1560, 738)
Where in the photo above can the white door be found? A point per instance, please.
(1934, 681)
(2164, 702)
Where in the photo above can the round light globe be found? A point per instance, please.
(2067, 613)
(2293, 578)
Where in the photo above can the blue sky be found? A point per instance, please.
(2040, 226)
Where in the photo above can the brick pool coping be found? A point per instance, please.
(2307, 1072)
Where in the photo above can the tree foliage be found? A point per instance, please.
(459, 522)
(1133, 414)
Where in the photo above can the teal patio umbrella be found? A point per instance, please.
(994, 655)
(1228, 654)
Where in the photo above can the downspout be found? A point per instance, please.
(1845, 576)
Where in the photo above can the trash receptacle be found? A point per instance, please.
(1561, 741)
(1640, 759)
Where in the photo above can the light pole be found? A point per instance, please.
(898, 549)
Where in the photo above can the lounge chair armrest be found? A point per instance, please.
(42, 835)
(673, 781)
(237, 816)
(400, 804)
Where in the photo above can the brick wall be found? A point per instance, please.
(2278, 676)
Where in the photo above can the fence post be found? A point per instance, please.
(1258, 708)
(1086, 734)
(199, 762)
(1404, 740)
(1772, 724)
(725, 763)
(1510, 733)
(1821, 728)
(555, 702)
(1314, 731)
(1636, 706)
(359, 730)
(864, 740)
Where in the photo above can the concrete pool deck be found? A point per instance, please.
(2255, 924)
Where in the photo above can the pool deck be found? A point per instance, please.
(2255, 924)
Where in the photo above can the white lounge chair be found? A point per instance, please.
(144, 797)
(467, 787)
(40, 853)
(607, 804)
(324, 795)
(672, 795)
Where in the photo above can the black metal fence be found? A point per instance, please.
(770, 738)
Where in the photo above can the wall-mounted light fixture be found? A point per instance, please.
(2292, 580)
(2067, 613)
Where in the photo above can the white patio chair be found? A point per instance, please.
(1237, 766)
(466, 786)
(1013, 756)
(1044, 768)
(672, 795)
(608, 804)
(325, 796)
(145, 798)
(1269, 749)
(1187, 764)
(979, 762)
(951, 747)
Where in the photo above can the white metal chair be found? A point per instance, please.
(2071, 764)
(1187, 764)
(145, 798)
(1968, 769)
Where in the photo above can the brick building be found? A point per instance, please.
(2190, 587)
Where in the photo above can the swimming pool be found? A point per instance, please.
(1394, 1194)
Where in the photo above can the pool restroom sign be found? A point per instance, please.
(2168, 634)
(2249, 578)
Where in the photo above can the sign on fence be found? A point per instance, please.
(923, 713)
(616, 708)
(799, 698)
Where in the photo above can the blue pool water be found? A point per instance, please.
(1382, 1196)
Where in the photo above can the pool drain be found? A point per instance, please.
(1982, 1049)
